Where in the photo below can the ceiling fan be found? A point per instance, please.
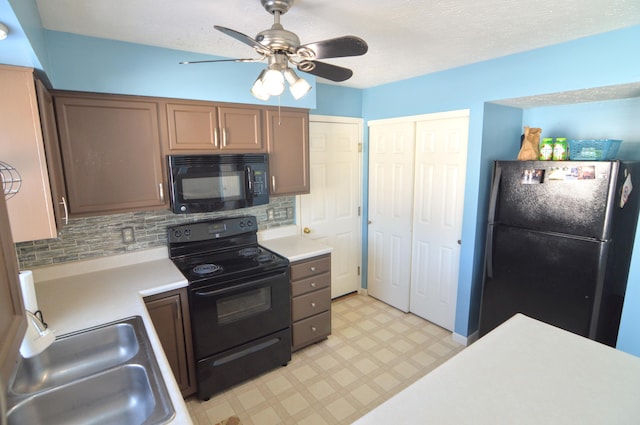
(281, 48)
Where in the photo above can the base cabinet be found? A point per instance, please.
(311, 300)
(169, 313)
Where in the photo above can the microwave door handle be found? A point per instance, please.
(249, 179)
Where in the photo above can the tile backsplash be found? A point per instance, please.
(102, 236)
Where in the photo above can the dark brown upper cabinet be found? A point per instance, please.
(288, 148)
(52, 152)
(111, 153)
(205, 127)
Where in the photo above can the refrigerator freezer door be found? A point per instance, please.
(568, 197)
(549, 277)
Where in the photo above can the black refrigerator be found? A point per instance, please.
(559, 242)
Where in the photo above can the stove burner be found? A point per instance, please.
(249, 252)
(263, 258)
(206, 268)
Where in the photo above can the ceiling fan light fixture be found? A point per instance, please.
(273, 82)
(257, 90)
(297, 85)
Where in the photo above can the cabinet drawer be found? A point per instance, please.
(309, 284)
(310, 330)
(304, 269)
(310, 304)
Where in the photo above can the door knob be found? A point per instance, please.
(306, 230)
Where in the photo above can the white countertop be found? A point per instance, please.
(296, 248)
(524, 372)
(83, 294)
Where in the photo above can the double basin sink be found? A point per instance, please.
(103, 375)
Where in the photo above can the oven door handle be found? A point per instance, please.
(216, 292)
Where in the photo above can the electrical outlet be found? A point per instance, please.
(128, 235)
(289, 212)
(271, 214)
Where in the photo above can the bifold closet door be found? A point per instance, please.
(440, 168)
(391, 172)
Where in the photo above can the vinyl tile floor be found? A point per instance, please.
(374, 352)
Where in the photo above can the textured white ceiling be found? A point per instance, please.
(406, 38)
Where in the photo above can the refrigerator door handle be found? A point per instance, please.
(489, 250)
(492, 215)
(494, 194)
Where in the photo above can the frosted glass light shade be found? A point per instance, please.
(273, 82)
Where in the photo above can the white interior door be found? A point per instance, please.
(331, 212)
(391, 167)
(440, 161)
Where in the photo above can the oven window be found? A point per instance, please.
(226, 186)
(243, 305)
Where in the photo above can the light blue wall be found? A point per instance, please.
(564, 67)
(338, 101)
(16, 49)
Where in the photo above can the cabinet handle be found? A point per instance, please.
(313, 284)
(312, 268)
(178, 314)
(313, 329)
(215, 137)
(224, 137)
(313, 305)
(161, 192)
(66, 210)
(273, 183)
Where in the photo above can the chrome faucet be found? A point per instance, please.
(37, 338)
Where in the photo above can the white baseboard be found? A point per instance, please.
(465, 340)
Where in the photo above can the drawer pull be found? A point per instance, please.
(312, 268)
(313, 284)
(313, 305)
(313, 329)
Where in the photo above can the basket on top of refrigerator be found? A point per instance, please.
(594, 150)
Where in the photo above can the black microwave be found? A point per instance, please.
(206, 183)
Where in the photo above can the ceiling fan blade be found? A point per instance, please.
(243, 38)
(334, 48)
(325, 70)
(221, 60)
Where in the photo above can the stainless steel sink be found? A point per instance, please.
(103, 375)
(76, 356)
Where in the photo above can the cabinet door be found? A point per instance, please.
(52, 152)
(288, 147)
(192, 126)
(170, 316)
(12, 319)
(21, 146)
(241, 129)
(111, 154)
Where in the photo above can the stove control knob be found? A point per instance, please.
(183, 208)
(249, 223)
(177, 233)
(241, 224)
(187, 232)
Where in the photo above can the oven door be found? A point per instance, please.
(228, 314)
